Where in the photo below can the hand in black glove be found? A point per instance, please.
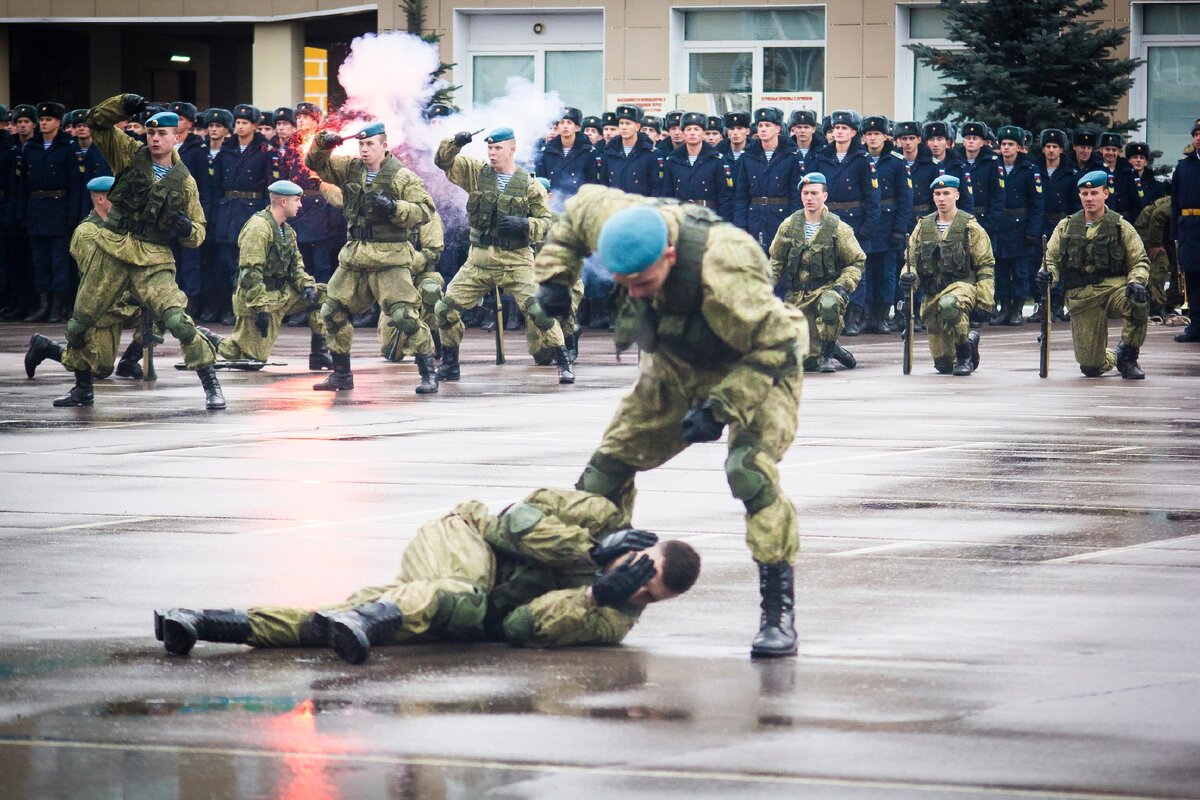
(262, 321)
(462, 139)
(384, 206)
(555, 299)
(616, 586)
(327, 140)
(132, 105)
(512, 225)
(615, 545)
(701, 424)
(1042, 280)
(310, 297)
(908, 279)
(842, 293)
(183, 225)
(1136, 293)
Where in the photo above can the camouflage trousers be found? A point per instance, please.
(247, 342)
(825, 311)
(352, 291)
(646, 432)
(947, 317)
(102, 343)
(445, 575)
(395, 350)
(106, 278)
(1091, 308)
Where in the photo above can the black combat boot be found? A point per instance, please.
(1127, 356)
(341, 378)
(1036, 316)
(572, 344)
(1014, 319)
(130, 365)
(42, 311)
(214, 398)
(871, 321)
(854, 321)
(962, 359)
(352, 633)
(429, 381)
(944, 365)
(1060, 312)
(842, 355)
(318, 354)
(825, 360)
(777, 626)
(563, 361)
(179, 628)
(56, 308)
(213, 338)
(1000, 315)
(81, 393)
(973, 341)
(41, 348)
(448, 371)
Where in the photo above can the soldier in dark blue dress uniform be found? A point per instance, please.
(1185, 230)
(1144, 188)
(567, 160)
(696, 172)
(1017, 242)
(767, 179)
(49, 191)
(1120, 174)
(630, 162)
(1060, 197)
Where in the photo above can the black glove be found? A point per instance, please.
(1136, 293)
(908, 279)
(615, 545)
(462, 139)
(701, 425)
(616, 586)
(327, 140)
(511, 225)
(183, 225)
(132, 105)
(262, 321)
(842, 293)
(555, 299)
(1042, 280)
(384, 206)
(310, 297)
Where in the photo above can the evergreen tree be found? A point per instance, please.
(414, 14)
(1034, 63)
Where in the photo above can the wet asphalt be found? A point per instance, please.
(997, 590)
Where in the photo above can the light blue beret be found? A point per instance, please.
(632, 239)
(163, 119)
(1093, 180)
(500, 135)
(374, 129)
(945, 182)
(285, 188)
(814, 177)
(101, 184)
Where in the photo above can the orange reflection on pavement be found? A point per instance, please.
(295, 733)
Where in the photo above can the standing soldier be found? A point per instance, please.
(319, 225)
(51, 205)
(938, 158)
(567, 160)
(802, 125)
(383, 204)
(1104, 266)
(714, 132)
(987, 176)
(908, 139)
(217, 124)
(697, 173)
(89, 163)
(1185, 230)
(153, 197)
(11, 300)
(1060, 197)
(767, 181)
(508, 212)
(652, 127)
(609, 126)
(193, 152)
(1144, 187)
(1018, 226)
(1083, 151)
(737, 131)
(673, 122)
(1120, 174)
(630, 162)
(272, 284)
(285, 127)
(819, 261)
(593, 130)
(266, 126)
(724, 353)
(950, 255)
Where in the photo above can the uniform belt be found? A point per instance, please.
(57, 194)
(849, 205)
(366, 234)
(481, 239)
(311, 192)
(244, 195)
(274, 284)
(704, 203)
(1189, 212)
(923, 208)
(1016, 212)
(887, 203)
(769, 201)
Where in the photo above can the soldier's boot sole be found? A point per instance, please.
(75, 398)
(177, 634)
(844, 356)
(129, 368)
(335, 383)
(349, 641)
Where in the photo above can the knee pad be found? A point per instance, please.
(179, 324)
(77, 326)
(430, 290)
(543, 321)
(334, 313)
(828, 307)
(462, 612)
(747, 482)
(404, 319)
(447, 315)
(605, 476)
(948, 310)
(1091, 372)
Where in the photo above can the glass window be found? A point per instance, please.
(927, 85)
(793, 69)
(927, 23)
(734, 25)
(1171, 19)
(1172, 84)
(577, 76)
(720, 73)
(491, 73)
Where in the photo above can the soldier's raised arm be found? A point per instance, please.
(115, 145)
(461, 170)
(573, 238)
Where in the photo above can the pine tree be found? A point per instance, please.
(1034, 63)
(414, 14)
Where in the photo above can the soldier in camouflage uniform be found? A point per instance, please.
(154, 197)
(1105, 271)
(272, 284)
(1152, 225)
(508, 211)
(527, 576)
(950, 257)
(718, 348)
(384, 212)
(430, 284)
(103, 340)
(819, 261)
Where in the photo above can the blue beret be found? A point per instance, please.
(814, 177)
(101, 184)
(945, 182)
(1093, 180)
(543, 181)
(374, 129)
(163, 119)
(500, 135)
(285, 188)
(632, 239)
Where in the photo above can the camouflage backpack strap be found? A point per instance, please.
(684, 294)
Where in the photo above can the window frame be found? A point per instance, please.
(1139, 47)
(905, 99)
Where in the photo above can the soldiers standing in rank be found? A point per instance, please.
(737, 132)
(218, 125)
(767, 180)
(907, 136)
(1103, 264)
(1185, 230)
(630, 162)
(696, 172)
(987, 176)
(853, 189)
(1120, 174)
(714, 131)
(1060, 197)
(938, 158)
(1018, 226)
(89, 163)
(950, 255)
(507, 211)
(272, 283)
(1083, 155)
(51, 204)
(193, 152)
(383, 204)
(673, 134)
(1144, 187)
(593, 130)
(567, 160)
(802, 125)
(11, 294)
(818, 260)
(609, 126)
(653, 127)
